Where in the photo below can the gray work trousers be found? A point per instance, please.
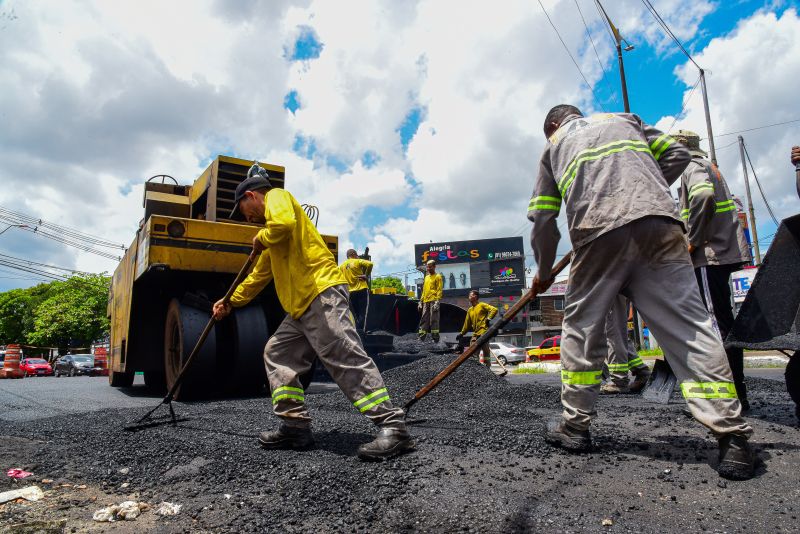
(325, 330)
(622, 356)
(429, 322)
(487, 353)
(647, 261)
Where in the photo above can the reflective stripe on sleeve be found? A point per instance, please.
(545, 203)
(708, 390)
(287, 392)
(363, 404)
(700, 187)
(581, 378)
(685, 214)
(725, 206)
(660, 145)
(636, 362)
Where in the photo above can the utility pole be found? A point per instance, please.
(711, 147)
(749, 202)
(618, 38)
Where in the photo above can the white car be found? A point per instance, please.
(505, 353)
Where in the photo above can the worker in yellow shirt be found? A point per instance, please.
(356, 272)
(318, 323)
(477, 321)
(429, 303)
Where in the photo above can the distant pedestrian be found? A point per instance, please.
(356, 271)
(613, 173)
(429, 303)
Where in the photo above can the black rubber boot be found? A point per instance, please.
(561, 434)
(388, 443)
(287, 437)
(435, 338)
(640, 380)
(736, 458)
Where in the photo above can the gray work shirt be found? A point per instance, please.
(609, 169)
(711, 216)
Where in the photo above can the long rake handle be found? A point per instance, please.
(486, 336)
(207, 330)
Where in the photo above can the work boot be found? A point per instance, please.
(640, 380)
(736, 458)
(422, 336)
(435, 338)
(610, 388)
(287, 437)
(562, 434)
(388, 443)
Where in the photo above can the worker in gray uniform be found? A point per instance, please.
(613, 174)
(716, 244)
(622, 357)
(792, 373)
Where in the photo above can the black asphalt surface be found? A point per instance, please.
(481, 463)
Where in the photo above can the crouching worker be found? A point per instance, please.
(318, 324)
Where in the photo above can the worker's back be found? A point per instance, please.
(607, 169)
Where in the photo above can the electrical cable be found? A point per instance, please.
(666, 28)
(685, 102)
(594, 94)
(757, 128)
(596, 54)
(7, 213)
(758, 183)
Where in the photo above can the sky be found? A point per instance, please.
(404, 122)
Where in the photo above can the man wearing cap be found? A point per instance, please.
(318, 323)
(356, 271)
(429, 303)
(717, 244)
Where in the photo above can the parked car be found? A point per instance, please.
(76, 364)
(505, 353)
(35, 367)
(549, 349)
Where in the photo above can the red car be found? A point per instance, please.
(35, 367)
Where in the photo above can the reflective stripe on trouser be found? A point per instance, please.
(325, 331)
(487, 354)
(622, 356)
(429, 322)
(645, 260)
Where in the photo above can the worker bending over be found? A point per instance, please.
(613, 174)
(356, 271)
(622, 357)
(477, 321)
(313, 292)
(429, 303)
(716, 244)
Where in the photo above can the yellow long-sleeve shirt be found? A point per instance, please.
(432, 287)
(296, 257)
(351, 269)
(476, 318)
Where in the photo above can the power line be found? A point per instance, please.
(685, 102)
(757, 128)
(596, 54)
(666, 28)
(594, 94)
(7, 213)
(758, 183)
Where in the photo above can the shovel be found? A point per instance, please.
(148, 420)
(662, 382)
(485, 337)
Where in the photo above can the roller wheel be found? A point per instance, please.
(120, 380)
(156, 381)
(183, 327)
(241, 352)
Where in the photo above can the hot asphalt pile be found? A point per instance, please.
(481, 465)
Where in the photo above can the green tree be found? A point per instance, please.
(389, 281)
(15, 310)
(73, 312)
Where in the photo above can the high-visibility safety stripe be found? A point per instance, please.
(581, 378)
(591, 154)
(685, 214)
(434, 331)
(636, 362)
(708, 390)
(545, 203)
(287, 392)
(700, 187)
(618, 367)
(658, 146)
(725, 206)
(363, 404)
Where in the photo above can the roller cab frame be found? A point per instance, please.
(184, 256)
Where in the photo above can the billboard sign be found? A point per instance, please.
(492, 266)
(741, 282)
